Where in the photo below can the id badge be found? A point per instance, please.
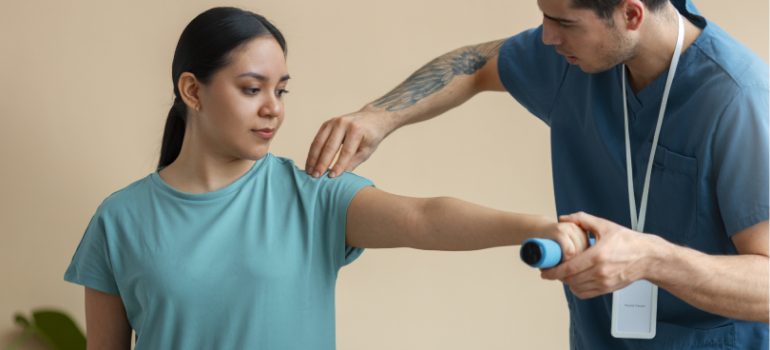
(635, 311)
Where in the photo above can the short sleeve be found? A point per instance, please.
(532, 72)
(90, 266)
(741, 160)
(339, 192)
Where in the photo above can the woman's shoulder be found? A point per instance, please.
(126, 197)
(290, 166)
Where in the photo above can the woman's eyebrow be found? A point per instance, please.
(261, 77)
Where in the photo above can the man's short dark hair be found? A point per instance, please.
(604, 8)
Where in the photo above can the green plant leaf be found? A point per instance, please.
(28, 331)
(60, 329)
(22, 321)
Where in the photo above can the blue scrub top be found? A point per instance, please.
(710, 173)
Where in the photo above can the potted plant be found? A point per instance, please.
(53, 328)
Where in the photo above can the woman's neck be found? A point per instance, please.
(198, 169)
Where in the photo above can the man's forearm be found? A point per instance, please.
(734, 286)
(438, 86)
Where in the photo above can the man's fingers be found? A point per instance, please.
(587, 222)
(579, 237)
(329, 150)
(578, 264)
(351, 138)
(361, 156)
(585, 280)
(591, 283)
(584, 285)
(586, 293)
(316, 147)
(568, 248)
(571, 238)
(349, 149)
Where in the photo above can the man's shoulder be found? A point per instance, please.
(744, 68)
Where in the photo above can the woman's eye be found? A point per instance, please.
(281, 92)
(251, 91)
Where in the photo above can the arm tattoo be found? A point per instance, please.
(438, 73)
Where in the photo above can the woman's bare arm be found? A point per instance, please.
(377, 219)
(107, 326)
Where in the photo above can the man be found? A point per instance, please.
(703, 196)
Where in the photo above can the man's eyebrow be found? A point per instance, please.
(561, 20)
(261, 77)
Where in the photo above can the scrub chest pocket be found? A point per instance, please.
(672, 208)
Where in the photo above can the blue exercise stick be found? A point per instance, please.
(543, 253)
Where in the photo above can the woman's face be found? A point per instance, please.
(241, 108)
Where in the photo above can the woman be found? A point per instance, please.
(229, 247)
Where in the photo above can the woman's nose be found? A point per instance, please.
(271, 108)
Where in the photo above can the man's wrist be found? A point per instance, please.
(388, 120)
(659, 253)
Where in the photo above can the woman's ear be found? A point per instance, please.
(188, 87)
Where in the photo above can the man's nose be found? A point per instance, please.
(550, 33)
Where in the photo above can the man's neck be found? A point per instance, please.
(656, 47)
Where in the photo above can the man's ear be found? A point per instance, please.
(189, 87)
(633, 13)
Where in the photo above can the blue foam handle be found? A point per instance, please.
(543, 253)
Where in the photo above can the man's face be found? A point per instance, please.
(583, 38)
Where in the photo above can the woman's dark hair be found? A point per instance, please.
(203, 49)
(604, 8)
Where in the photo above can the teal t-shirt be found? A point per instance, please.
(250, 266)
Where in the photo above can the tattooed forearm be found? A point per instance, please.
(438, 73)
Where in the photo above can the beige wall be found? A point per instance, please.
(85, 86)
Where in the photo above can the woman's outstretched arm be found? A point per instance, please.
(377, 219)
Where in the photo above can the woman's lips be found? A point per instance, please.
(265, 133)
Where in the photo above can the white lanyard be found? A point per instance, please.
(637, 224)
(635, 307)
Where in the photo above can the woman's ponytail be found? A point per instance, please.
(173, 133)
